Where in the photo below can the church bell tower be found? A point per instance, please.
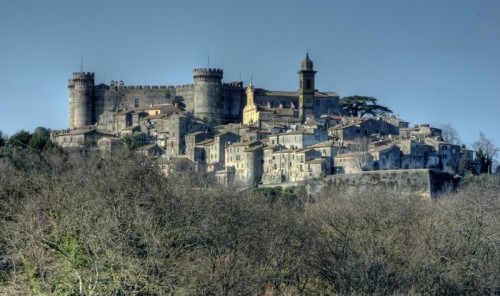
(306, 89)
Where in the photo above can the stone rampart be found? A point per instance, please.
(423, 182)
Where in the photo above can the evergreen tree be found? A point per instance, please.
(3, 139)
(19, 140)
(359, 106)
(40, 139)
(465, 166)
(179, 103)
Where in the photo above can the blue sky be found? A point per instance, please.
(434, 62)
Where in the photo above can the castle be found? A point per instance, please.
(248, 135)
(207, 98)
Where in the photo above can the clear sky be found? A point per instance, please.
(434, 62)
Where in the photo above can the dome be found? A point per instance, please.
(307, 64)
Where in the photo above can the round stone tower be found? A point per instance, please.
(207, 93)
(81, 99)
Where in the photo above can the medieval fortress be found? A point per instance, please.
(246, 134)
(207, 97)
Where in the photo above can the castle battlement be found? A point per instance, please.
(81, 78)
(82, 74)
(209, 74)
(205, 71)
(233, 85)
(114, 85)
(184, 86)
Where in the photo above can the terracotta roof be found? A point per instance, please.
(350, 154)
(329, 143)
(79, 131)
(320, 95)
(382, 148)
(316, 161)
(253, 148)
(132, 127)
(239, 144)
(195, 133)
(285, 151)
(206, 142)
(156, 116)
(146, 147)
(297, 132)
(272, 124)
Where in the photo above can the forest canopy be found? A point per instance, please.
(83, 223)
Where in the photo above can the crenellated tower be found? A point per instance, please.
(81, 100)
(207, 93)
(306, 89)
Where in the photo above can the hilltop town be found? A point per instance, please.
(247, 135)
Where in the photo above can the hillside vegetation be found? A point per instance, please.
(85, 224)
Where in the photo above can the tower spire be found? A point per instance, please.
(81, 66)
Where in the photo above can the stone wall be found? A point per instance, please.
(423, 182)
(130, 97)
(426, 183)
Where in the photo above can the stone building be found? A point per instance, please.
(353, 162)
(173, 165)
(286, 107)
(329, 149)
(194, 151)
(292, 165)
(449, 154)
(207, 97)
(213, 153)
(299, 139)
(352, 128)
(76, 138)
(244, 160)
(386, 157)
(420, 132)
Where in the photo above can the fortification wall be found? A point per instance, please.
(206, 97)
(130, 97)
(423, 182)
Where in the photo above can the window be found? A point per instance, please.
(136, 103)
(308, 83)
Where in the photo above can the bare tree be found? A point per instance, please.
(450, 134)
(485, 153)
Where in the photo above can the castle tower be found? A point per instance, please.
(81, 100)
(207, 93)
(306, 89)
